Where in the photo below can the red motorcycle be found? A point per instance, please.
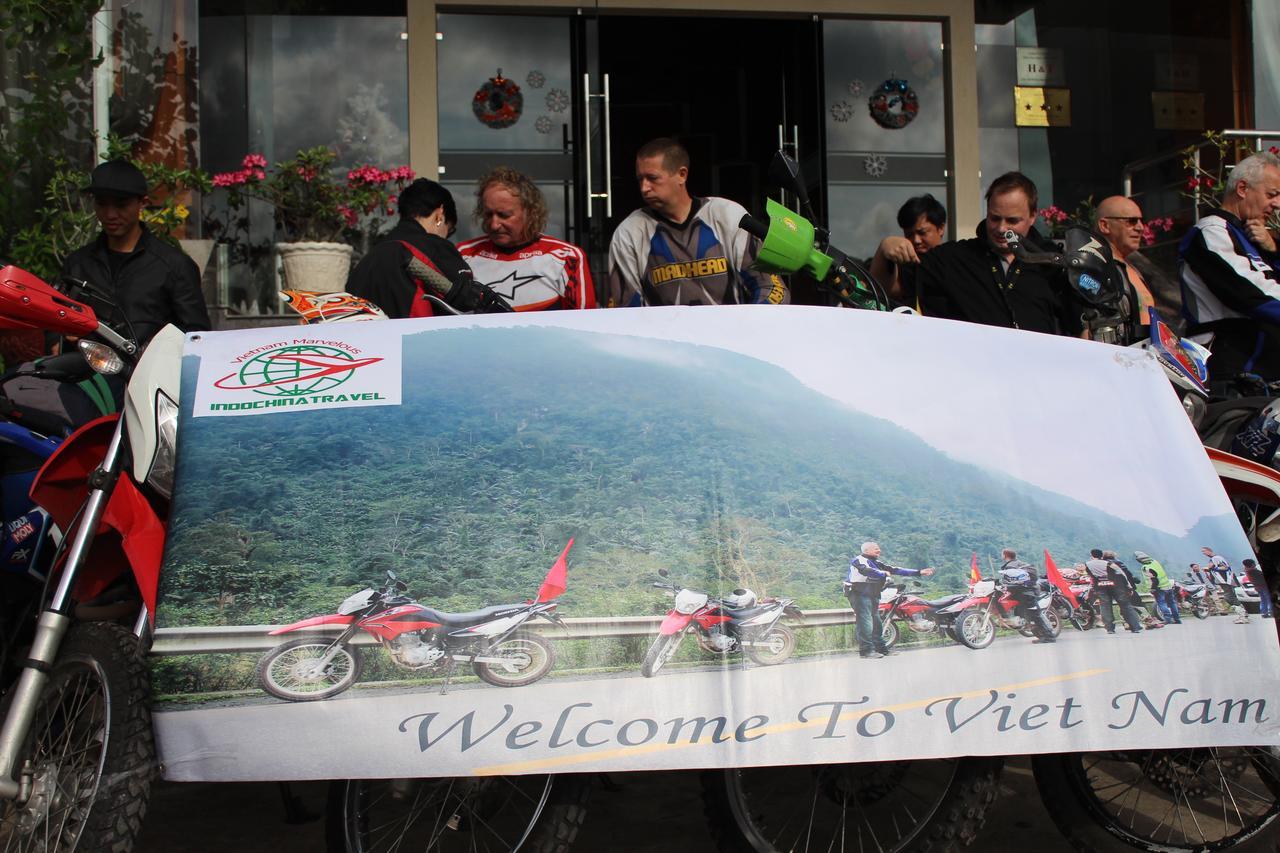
(920, 615)
(1016, 606)
(418, 638)
(736, 622)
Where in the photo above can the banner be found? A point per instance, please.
(615, 540)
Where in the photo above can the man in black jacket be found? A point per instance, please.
(415, 258)
(142, 279)
(980, 281)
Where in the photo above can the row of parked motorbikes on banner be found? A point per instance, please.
(84, 527)
(1034, 607)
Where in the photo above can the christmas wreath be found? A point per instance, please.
(893, 104)
(498, 103)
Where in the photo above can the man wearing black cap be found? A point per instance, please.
(147, 281)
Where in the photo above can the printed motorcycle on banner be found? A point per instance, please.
(723, 537)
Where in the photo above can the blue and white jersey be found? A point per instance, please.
(864, 569)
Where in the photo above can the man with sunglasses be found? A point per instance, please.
(1120, 223)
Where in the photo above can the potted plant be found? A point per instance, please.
(316, 210)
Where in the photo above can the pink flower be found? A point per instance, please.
(349, 215)
(1192, 183)
(1148, 236)
(1167, 223)
(232, 179)
(1274, 150)
(254, 161)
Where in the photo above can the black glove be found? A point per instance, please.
(468, 296)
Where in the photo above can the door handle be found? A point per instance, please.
(586, 135)
(607, 195)
(608, 152)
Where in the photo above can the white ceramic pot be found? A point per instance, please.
(319, 267)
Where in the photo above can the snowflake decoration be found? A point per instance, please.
(536, 79)
(875, 165)
(842, 111)
(855, 87)
(557, 100)
(543, 124)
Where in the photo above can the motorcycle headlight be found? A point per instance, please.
(688, 601)
(160, 477)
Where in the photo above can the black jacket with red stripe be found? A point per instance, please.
(382, 276)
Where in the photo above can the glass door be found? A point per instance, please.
(753, 87)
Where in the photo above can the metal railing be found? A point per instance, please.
(230, 639)
(1130, 169)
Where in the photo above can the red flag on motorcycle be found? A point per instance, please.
(553, 585)
(974, 574)
(1055, 577)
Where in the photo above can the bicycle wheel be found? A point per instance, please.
(1206, 799)
(888, 807)
(482, 814)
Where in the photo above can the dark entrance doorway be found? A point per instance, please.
(731, 90)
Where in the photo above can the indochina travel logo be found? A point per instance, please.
(300, 373)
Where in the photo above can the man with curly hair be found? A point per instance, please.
(530, 270)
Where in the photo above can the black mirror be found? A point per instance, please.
(401, 585)
(785, 173)
(663, 573)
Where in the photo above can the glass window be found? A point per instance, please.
(885, 124)
(521, 63)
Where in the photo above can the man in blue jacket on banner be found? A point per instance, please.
(862, 585)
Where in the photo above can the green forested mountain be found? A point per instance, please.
(724, 469)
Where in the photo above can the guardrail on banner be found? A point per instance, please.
(223, 639)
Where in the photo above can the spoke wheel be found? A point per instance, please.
(976, 629)
(775, 646)
(662, 650)
(90, 753)
(295, 671)
(526, 658)
(489, 814)
(887, 807)
(891, 634)
(1207, 799)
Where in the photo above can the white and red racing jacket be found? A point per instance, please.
(547, 273)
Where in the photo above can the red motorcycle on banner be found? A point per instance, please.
(990, 606)
(418, 638)
(922, 616)
(736, 622)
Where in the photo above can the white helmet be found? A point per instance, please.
(740, 599)
(1141, 557)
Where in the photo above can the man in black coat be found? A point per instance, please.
(144, 282)
(980, 281)
(416, 258)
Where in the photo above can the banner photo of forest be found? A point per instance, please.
(458, 576)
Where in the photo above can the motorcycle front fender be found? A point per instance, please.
(331, 619)
(61, 487)
(674, 623)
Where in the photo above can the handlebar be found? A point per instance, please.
(754, 226)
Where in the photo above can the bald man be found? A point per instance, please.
(1120, 223)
